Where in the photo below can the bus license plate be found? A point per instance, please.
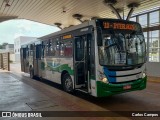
(127, 87)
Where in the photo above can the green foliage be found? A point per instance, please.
(3, 45)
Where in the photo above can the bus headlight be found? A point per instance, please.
(102, 77)
(143, 75)
(104, 80)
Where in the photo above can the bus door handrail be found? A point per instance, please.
(81, 61)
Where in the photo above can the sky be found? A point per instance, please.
(11, 29)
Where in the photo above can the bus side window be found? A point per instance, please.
(79, 49)
(46, 48)
(38, 51)
(61, 48)
(68, 48)
(31, 48)
(24, 53)
(27, 52)
(53, 48)
(57, 48)
(43, 49)
(49, 47)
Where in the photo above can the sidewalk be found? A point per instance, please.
(20, 93)
(154, 79)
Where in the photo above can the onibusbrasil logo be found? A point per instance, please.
(21, 114)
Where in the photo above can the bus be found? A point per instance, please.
(100, 57)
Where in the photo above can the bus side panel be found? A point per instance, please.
(50, 69)
(35, 65)
(39, 74)
(66, 64)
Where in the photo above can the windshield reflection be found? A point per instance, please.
(122, 49)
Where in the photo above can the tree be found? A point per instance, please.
(3, 45)
(155, 43)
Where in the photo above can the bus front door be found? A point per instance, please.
(82, 62)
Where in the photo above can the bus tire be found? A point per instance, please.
(67, 83)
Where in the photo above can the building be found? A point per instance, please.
(17, 45)
(10, 48)
(150, 22)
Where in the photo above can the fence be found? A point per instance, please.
(4, 61)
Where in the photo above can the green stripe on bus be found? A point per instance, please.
(59, 68)
(104, 89)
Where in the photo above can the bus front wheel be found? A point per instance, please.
(67, 83)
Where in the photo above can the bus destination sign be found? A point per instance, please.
(116, 25)
(67, 36)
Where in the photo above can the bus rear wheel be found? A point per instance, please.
(67, 83)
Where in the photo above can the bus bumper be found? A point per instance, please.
(109, 89)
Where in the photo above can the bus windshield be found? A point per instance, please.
(122, 49)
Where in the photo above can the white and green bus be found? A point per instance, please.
(101, 57)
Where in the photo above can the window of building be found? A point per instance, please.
(154, 48)
(153, 40)
(133, 19)
(143, 20)
(146, 38)
(154, 18)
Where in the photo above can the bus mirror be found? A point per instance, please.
(99, 37)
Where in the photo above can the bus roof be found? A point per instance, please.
(36, 41)
(85, 24)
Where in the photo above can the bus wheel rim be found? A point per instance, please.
(68, 84)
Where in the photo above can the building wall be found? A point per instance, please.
(10, 48)
(12, 57)
(153, 69)
(17, 57)
(17, 49)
